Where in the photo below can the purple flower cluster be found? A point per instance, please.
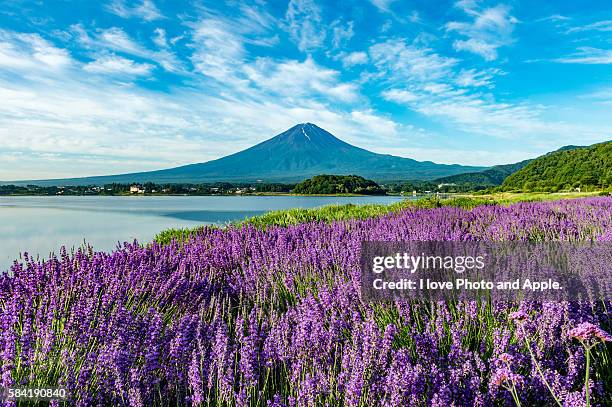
(244, 316)
(588, 333)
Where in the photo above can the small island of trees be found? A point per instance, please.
(338, 184)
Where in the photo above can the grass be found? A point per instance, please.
(513, 197)
(332, 213)
(329, 213)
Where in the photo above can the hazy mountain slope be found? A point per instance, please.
(489, 177)
(493, 176)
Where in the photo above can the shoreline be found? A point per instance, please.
(475, 194)
(220, 195)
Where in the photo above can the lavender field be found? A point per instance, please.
(252, 317)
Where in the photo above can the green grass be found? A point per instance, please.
(329, 213)
(505, 198)
(180, 235)
(333, 213)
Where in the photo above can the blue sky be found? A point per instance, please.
(91, 88)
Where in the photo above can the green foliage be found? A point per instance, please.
(407, 187)
(460, 183)
(338, 184)
(489, 177)
(328, 213)
(588, 168)
(180, 235)
(332, 213)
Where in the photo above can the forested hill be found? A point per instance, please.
(338, 184)
(489, 177)
(586, 168)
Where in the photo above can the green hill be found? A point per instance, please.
(489, 177)
(338, 184)
(587, 168)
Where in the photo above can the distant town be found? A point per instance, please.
(227, 188)
(146, 189)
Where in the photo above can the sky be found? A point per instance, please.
(111, 86)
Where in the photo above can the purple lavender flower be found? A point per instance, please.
(518, 316)
(506, 358)
(588, 332)
(242, 315)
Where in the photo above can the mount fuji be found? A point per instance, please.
(302, 151)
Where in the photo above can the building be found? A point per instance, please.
(136, 189)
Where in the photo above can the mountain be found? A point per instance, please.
(493, 176)
(301, 152)
(569, 167)
(490, 177)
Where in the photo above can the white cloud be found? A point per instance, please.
(602, 95)
(26, 51)
(253, 25)
(354, 58)
(255, 20)
(469, 7)
(474, 78)
(588, 55)
(486, 50)
(396, 59)
(466, 155)
(219, 42)
(477, 114)
(604, 26)
(382, 5)
(76, 120)
(116, 65)
(296, 80)
(87, 121)
(488, 117)
(554, 18)
(490, 29)
(400, 96)
(375, 124)
(305, 24)
(386, 26)
(218, 51)
(414, 17)
(436, 87)
(146, 10)
(159, 38)
(116, 39)
(345, 92)
(341, 35)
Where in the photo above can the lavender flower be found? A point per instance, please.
(587, 332)
(274, 317)
(518, 316)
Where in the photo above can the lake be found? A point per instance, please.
(41, 225)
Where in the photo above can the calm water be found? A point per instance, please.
(41, 225)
